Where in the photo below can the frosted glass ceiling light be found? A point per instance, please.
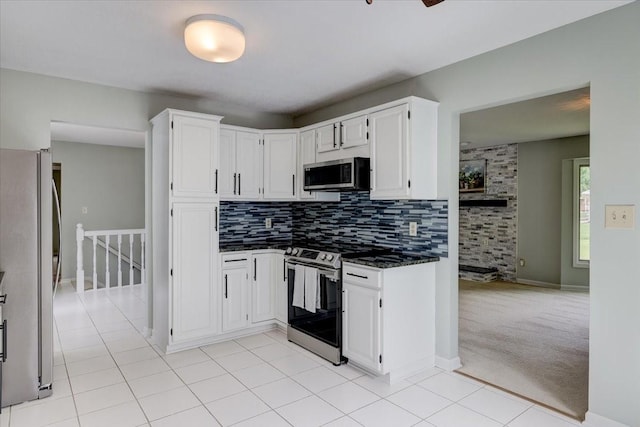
(214, 38)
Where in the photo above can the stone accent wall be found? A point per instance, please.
(497, 226)
(353, 220)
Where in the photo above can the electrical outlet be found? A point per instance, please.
(521, 262)
(267, 222)
(485, 241)
(85, 210)
(413, 229)
(619, 216)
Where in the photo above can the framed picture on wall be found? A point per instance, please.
(473, 174)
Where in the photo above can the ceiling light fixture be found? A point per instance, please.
(214, 38)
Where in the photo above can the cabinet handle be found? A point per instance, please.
(239, 185)
(3, 299)
(284, 270)
(293, 186)
(235, 175)
(341, 134)
(235, 260)
(255, 269)
(3, 355)
(216, 219)
(334, 135)
(357, 275)
(226, 281)
(216, 188)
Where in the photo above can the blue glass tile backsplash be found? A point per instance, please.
(353, 220)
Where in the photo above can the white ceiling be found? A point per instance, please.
(555, 116)
(300, 55)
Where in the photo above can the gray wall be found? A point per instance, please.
(540, 205)
(597, 51)
(109, 181)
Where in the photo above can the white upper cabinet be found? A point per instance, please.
(194, 270)
(389, 153)
(326, 138)
(194, 156)
(404, 150)
(353, 132)
(240, 174)
(345, 137)
(280, 165)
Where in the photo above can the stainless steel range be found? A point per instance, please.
(315, 301)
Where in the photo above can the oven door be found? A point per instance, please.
(326, 323)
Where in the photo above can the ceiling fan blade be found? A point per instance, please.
(430, 3)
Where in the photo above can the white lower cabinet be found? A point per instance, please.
(262, 287)
(282, 288)
(388, 324)
(361, 325)
(235, 291)
(194, 271)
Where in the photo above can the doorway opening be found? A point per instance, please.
(523, 301)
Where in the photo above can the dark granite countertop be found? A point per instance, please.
(391, 259)
(239, 247)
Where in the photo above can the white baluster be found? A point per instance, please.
(79, 259)
(130, 259)
(95, 271)
(143, 270)
(107, 273)
(119, 260)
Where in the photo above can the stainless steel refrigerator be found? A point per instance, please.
(26, 260)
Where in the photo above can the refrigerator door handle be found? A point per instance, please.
(3, 355)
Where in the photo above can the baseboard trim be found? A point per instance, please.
(448, 364)
(595, 420)
(574, 288)
(538, 283)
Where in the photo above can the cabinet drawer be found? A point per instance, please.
(361, 276)
(235, 259)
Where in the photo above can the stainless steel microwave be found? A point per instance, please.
(350, 174)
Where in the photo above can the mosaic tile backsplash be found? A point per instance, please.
(353, 220)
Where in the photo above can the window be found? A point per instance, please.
(582, 212)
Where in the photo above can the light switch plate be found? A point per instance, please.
(619, 216)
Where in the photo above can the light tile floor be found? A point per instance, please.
(108, 374)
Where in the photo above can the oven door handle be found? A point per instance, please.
(333, 274)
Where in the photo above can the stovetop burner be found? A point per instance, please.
(330, 254)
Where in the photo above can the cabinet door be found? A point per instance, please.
(227, 163)
(262, 287)
(235, 313)
(195, 248)
(326, 138)
(194, 161)
(248, 165)
(361, 325)
(282, 295)
(280, 166)
(307, 155)
(353, 132)
(389, 153)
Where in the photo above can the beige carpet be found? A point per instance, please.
(529, 340)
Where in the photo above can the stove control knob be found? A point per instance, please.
(329, 257)
(288, 251)
(323, 256)
(295, 252)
